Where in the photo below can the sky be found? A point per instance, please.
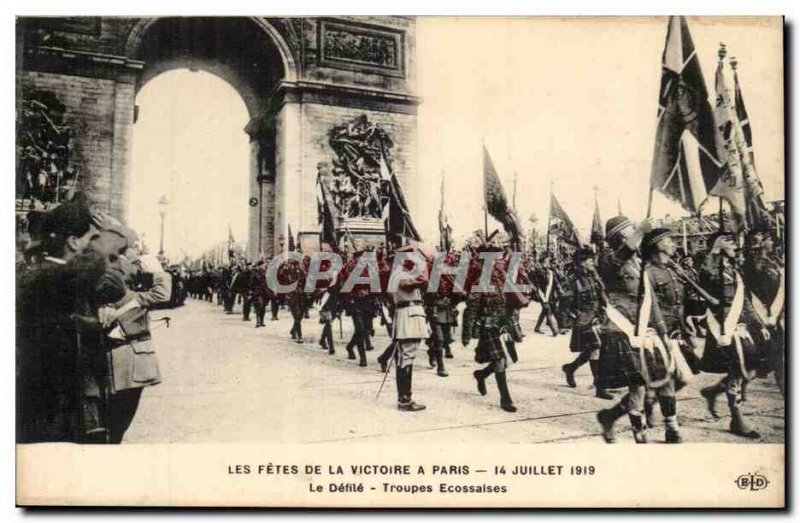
(195, 154)
(568, 101)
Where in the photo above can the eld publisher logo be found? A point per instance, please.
(752, 482)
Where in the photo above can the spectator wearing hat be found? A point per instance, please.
(50, 364)
(587, 311)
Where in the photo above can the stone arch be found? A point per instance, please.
(291, 73)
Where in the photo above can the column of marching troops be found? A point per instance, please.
(729, 295)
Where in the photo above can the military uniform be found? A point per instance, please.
(643, 368)
(765, 278)
(588, 316)
(441, 318)
(735, 345)
(486, 318)
(672, 295)
(409, 330)
(546, 283)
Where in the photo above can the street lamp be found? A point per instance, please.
(163, 203)
(261, 178)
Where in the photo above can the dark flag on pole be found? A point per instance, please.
(445, 231)
(328, 217)
(396, 217)
(685, 160)
(290, 244)
(560, 224)
(496, 202)
(597, 235)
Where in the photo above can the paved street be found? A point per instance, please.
(225, 381)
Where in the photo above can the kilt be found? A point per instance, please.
(490, 347)
(758, 355)
(621, 364)
(583, 338)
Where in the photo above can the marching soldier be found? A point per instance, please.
(670, 284)
(588, 317)
(258, 292)
(620, 271)
(544, 278)
(440, 317)
(485, 318)
(737, 342)
(763, 274)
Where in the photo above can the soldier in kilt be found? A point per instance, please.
(620, 271)
(485, 318)
(588, 314)
(764, 276)
(737, 344)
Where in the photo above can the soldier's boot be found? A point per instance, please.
(351, 355)
(608, 417)
(553, 324)
(506, 403)
(649, 411)
(570, 368)
(362, 354)
(538, 328)
(669, 408)
(739, 425)
(383, 359)
(431, 353)
(599, 392)
(672, 434)
(449, 354)
(710, 394)
(404, 401)
(440, 371)
(639, 427)
(480, 378)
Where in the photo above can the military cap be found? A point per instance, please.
(615, 225)
(651, 238)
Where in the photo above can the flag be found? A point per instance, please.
(230, 242)
(290, 245)
(597, 235)
(396, 218)
(445, 231)
(560, 224)
(757, 214)
(328, 216)
(731, 146)
(685, 163)
(496, 202)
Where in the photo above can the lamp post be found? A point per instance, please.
(261, 178)
(163, 203)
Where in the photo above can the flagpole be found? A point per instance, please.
(485, 207)
(721, 270)
(549, 218)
